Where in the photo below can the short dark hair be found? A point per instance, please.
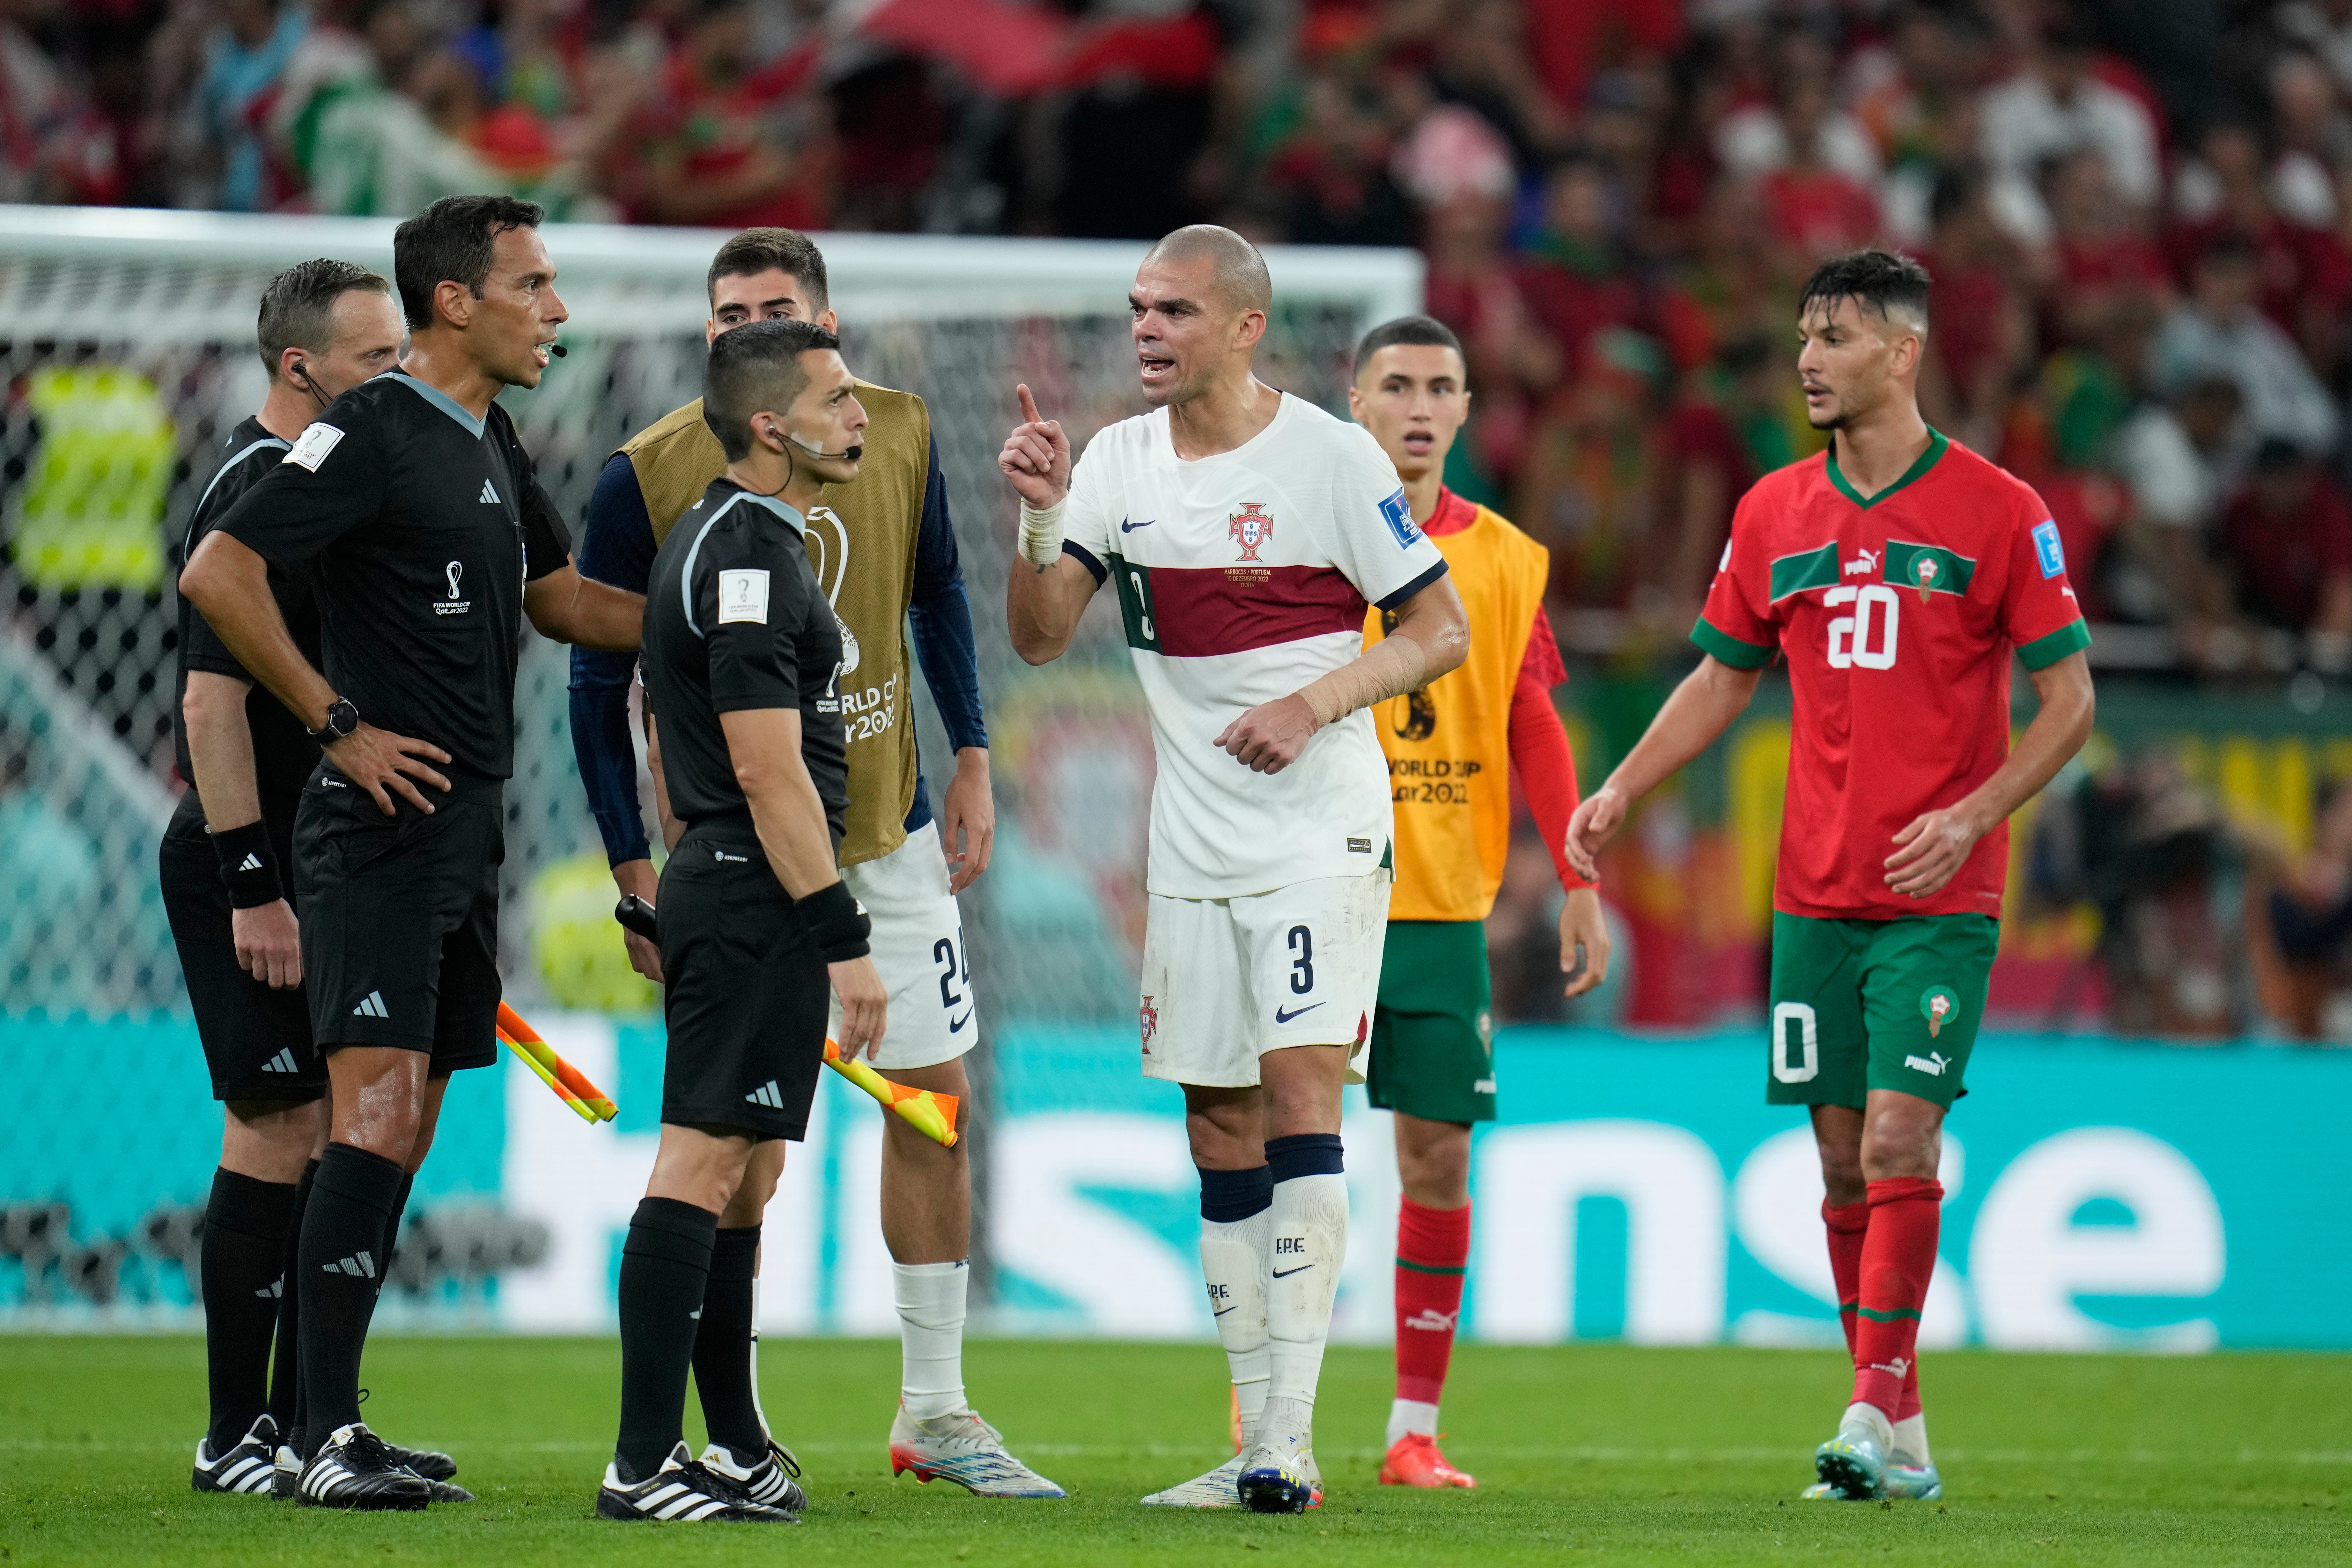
(452, 241)
(297, 308)
(756, 366)
(1418, 331)
(757, 250)
(1881, 280)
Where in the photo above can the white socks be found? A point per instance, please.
(931, 1335)
(1310, 1241)
(1407, 1415)
(1232, 1261)
(1872, 1418)
(1911, 1440)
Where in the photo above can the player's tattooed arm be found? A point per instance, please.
(1432, 638)
(1701, 709)
(1932, 847)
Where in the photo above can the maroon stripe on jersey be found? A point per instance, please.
(1207, 610)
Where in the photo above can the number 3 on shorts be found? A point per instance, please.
(1795, 1031)
(1302, 966)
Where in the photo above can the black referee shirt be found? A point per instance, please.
(424, 523)
(735, 620)
(283, 752)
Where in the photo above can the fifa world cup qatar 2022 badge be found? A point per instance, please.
(1250, 528)
(1940, 1006)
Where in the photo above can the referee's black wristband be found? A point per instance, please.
(836, 920)
(247, 869)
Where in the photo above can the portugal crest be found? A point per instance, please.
(1150, 1021)
(1250, 528)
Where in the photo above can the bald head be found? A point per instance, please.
(1237, 271)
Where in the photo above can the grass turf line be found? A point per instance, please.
(1587, 1452)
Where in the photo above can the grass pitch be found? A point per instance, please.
(1585, 1454)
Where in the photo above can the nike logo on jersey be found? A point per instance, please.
(1127, 526)
(1286, 1273)
(767, 1094)
(372, 1006)
(490, 495)
(1284, 1015)
(955, 1025)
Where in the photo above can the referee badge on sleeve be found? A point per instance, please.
(743, 595)
(310, 448)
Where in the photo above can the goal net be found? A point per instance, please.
(127, 342)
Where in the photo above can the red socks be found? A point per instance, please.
(1847, 1225)
(1433, 1253)
(1898, 1259)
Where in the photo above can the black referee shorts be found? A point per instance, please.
(746, 994)
(256, 1040)
(400, 919)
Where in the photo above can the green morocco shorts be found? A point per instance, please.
(1864, 1004)
(1434, 1031)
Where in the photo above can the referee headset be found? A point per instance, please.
(787, 440)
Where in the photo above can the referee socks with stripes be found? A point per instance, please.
(665, 1272)
(243, 1264)
(353, 1199)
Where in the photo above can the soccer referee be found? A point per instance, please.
(758, 930)
(417, 511)
(226, 861)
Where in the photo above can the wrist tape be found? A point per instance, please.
(838, 924)
(1041, 534)
(247, 869)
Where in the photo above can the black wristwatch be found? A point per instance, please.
(342, 719)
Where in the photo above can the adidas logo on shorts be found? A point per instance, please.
(274, 1290)
(767, 1094)
(372, 1006)
(359, 1267)
(282, 1062)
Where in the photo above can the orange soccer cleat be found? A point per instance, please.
(1415, 1461)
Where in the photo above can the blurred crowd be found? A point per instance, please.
(2136, 212)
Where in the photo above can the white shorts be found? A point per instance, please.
(1227, 980)
(918, 947)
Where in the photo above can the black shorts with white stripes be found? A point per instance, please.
(400, 918)
(746, 994)
(256, 1040)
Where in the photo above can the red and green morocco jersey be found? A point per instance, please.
(1896, 615)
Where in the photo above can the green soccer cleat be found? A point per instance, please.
(1913, 1483)
(1851, 1463)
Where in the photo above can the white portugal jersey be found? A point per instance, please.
(1243, 577)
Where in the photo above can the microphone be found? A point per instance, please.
(852, 453)
(558, 350)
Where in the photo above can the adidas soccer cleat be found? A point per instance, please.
(286, 1475)
(1851, 1463)
(685, 1493)
(1415, 1460)
(1278, 1476)
(1218, 1489)
(961, 1447)
(1913, 1483)
(770, 1478)
(354, 1469)
(426, 1462)
(245, 1469)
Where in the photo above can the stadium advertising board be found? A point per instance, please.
(2102, 1195)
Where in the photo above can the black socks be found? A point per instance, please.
(665, 1272)
(353, 1199)
(286, 1362)
(243, 1262)
(722, 1345)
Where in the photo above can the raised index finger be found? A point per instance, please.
(1029, 414)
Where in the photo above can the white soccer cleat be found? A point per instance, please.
(1221, 1488)
(961, 1447)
